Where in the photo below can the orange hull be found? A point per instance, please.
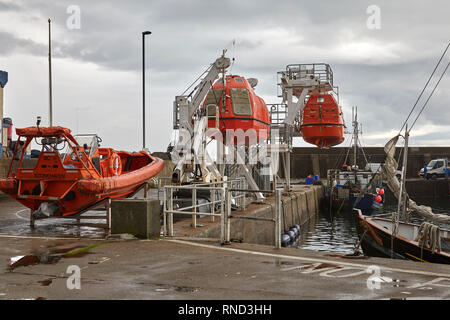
(75, 183)
(322, 124)
(323, 136)
(244, 110)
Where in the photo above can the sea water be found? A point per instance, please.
(337, 231)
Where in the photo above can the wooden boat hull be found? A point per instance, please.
(376, 241)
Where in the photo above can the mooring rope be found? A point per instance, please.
(429, 236)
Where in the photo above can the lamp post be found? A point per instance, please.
(50, 107)
(144, 33)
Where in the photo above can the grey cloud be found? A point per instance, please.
(9, 6)
(11, 44)
(381, 71)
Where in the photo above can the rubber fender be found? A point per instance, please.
(291, 235)
(294, 230)
(285, 239)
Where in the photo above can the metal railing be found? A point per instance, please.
(321, 71)
(222, 195)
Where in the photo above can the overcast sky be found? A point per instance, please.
(97, 68)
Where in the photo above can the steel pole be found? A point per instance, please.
(143, 90)
(50, 73)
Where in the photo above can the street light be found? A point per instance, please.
(144, 33)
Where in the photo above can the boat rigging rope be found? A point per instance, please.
(431, 94)
(207, 70)
(424, 88)
(363, 190)
(362, 149)
(429, 237)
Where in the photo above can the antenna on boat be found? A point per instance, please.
(50, 73)
(38, 122)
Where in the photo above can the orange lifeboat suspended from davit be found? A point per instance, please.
(323, 123)
(243, 110)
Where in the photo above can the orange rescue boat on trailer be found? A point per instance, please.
(323, 123)
(64, 184)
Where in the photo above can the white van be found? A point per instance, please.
(435, 168)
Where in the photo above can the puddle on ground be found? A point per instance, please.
(177, 289)
(397, 283)
(186, 289)
(45, 282)
(58, 227)
(51, 256)
(326, 265)
(31, 259)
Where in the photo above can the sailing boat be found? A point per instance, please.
(395, 239)
(401, 240)
(345, 184)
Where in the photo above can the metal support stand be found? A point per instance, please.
(106, 203)
(222, 219)
(227, 216)
(145, 190)
(285, 156)
(32, 220)
(108, 213)
(194, 207)
(170, 215)
(278, 218)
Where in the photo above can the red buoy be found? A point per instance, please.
(381, 191)
(378, 198)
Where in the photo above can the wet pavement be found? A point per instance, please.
(178, 269)
(44, 264)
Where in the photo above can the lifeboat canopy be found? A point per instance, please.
(243, 110)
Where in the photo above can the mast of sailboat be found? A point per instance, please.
(402, 198)
(355, 138)
(401, 206)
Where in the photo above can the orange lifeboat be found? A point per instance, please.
(243, 110)
(64, 184)
(322, 123)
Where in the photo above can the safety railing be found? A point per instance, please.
(161, 185)
(222, 196)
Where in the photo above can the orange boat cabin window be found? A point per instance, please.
(241, 102)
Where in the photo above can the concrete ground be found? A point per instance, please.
(193, 269)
